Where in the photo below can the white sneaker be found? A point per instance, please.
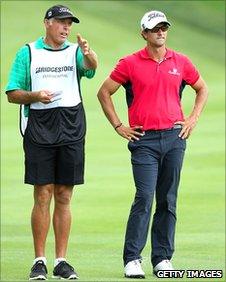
(133, 269)
(163, 265)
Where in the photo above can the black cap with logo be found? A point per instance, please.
(60, 12)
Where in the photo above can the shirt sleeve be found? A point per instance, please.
(19, 76)
(191, 74)
(120, 73)
(80, 64)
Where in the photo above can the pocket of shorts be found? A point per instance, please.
(131, 146)
(182, 142)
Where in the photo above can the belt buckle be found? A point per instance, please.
(177, 126)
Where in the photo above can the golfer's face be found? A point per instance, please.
(157, 36)
(59, 29)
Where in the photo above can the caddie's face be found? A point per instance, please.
(156, 37)
(58, 30)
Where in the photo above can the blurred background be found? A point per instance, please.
(101, 206)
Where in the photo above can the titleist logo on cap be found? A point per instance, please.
(155, 15)
(63, 10)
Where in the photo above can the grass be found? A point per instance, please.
(100, 207)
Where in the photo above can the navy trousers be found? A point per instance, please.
(156, 161)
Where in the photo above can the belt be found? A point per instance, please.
(176, 126)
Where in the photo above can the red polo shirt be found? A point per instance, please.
(153, 90)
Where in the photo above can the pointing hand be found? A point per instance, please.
(83, 44)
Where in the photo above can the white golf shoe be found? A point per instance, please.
(163, 265)
(133, 269)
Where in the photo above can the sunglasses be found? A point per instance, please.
(157, 28)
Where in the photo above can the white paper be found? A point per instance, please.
(56, 96)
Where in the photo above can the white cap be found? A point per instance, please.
(152, 18)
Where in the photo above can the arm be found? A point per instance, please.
(190, 122)
(108, 88)
(27, 97)
(17, 89)
(90, 57)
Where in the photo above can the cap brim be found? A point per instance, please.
(74, 19)
(166, 22)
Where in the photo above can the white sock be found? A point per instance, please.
(58, 260)
(40, 258)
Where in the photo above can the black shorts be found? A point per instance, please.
(54, 165)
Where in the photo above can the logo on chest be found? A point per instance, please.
(174, 71)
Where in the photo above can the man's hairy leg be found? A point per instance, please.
(62, 218)
(40, 217)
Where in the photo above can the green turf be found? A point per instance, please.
(101, 206)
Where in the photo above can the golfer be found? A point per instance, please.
(45, 80)
(153, 78)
